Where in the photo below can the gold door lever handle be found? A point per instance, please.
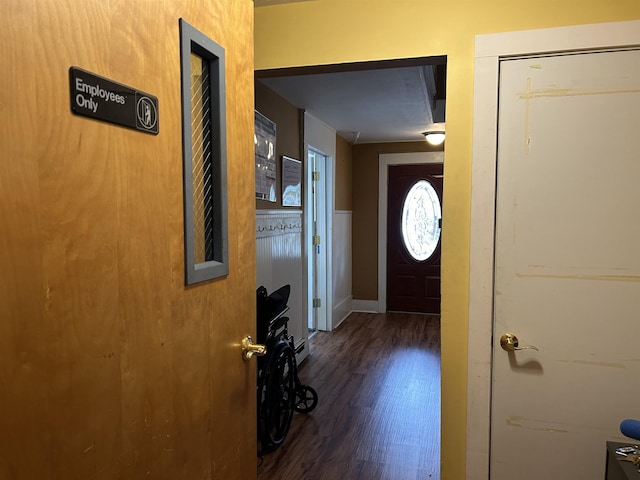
(509, 343)
(249, 349)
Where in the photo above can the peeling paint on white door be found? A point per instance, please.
(567, 263)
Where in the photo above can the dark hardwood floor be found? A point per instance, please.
(378, 415)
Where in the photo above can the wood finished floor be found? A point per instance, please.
(378, 415)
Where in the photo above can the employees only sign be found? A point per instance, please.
(97, 97)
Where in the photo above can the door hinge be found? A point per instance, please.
(316, 176)
(316, 240)
(317, 303)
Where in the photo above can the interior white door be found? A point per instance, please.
(567, 266)
(317, 161)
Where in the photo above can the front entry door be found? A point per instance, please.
(110, 368)
(413, 239)
(567, 265)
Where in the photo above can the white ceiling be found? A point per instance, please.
(366, 106)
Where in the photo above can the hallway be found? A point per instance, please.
(378, 416)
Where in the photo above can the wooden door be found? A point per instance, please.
(567, 263)
(110, 367)
(413, 284)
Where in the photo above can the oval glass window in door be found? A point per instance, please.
(421, 214)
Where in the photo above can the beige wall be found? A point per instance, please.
(343, 174)
(362, 30)
(288, 142)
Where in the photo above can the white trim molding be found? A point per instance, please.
(319, 137)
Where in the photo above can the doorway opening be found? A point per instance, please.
(384, 163)
(303, 87)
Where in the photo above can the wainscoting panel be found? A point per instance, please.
(342, 276)
(279, 262)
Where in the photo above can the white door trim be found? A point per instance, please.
(384, 160)
(318, 260)
(489, 49)
(322, 138)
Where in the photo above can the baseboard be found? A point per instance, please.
(341, 311)
(344, 317)
(368, 306)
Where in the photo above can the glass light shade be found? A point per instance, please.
(435, 138)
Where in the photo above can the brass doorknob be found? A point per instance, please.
(249, 349)
(509, 343)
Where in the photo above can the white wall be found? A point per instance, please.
(279, 262)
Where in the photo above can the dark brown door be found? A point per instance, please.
(413, 282)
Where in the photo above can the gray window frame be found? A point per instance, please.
(194, 41)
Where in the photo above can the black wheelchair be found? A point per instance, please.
(280, 391)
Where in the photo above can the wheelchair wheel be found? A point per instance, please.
(306, 399)
(276, 396)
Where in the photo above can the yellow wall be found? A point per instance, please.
(336, 31)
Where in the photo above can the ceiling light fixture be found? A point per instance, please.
(435, 134)
(434, 138)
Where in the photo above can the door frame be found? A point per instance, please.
(489, 50)
(321, 138)
(317, 271)
(384, 161)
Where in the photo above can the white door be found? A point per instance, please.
(567, 266)
(317, 162)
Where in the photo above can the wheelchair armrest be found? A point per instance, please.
(278, 323)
